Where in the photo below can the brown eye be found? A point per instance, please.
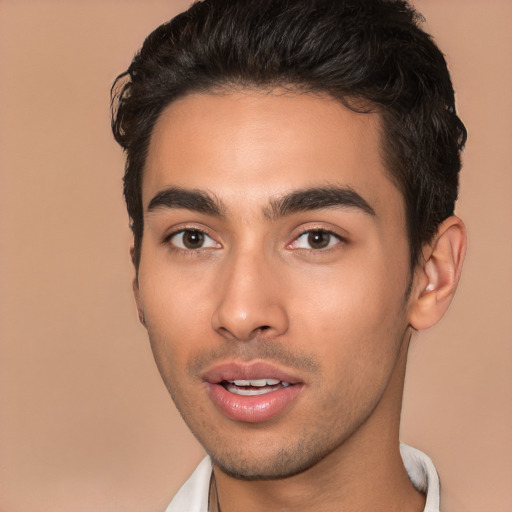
(316, 239)
(192, 239)
(319, 239)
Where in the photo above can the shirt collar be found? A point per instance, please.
(195, 493)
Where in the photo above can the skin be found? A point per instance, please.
(257, 287)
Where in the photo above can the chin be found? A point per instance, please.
(254, 470)
(284, 463)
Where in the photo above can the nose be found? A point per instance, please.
(251, 300)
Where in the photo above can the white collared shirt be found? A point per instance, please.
(193, 495)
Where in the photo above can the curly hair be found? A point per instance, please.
(371, 55)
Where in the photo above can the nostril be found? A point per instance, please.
(236, 320)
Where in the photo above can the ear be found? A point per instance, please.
(437, 274)
(136, 293)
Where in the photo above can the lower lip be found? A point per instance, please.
(253, 409)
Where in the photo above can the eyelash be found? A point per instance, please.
(202, 233)
(320, 230)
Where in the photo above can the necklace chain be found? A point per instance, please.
(213, 498)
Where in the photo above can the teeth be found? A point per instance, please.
(248, 392)
(250, 387)
(258, 383)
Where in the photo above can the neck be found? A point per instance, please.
(365, 473)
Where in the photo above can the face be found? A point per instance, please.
(273, 277)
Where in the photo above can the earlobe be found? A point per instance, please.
(437, 275)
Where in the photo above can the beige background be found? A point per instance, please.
(85, 423)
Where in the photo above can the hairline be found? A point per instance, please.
(356, 104)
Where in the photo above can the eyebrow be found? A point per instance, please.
(303, 200)
(196, 200)
(317, 198)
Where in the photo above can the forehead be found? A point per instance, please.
(255, 145)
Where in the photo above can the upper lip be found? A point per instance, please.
(229, 371)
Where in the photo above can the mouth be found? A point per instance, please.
(254, 387)
(252, 392)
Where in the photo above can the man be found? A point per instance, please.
(292, 169)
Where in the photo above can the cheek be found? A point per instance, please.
(176, 311)
(354, 318)
(170, 293)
